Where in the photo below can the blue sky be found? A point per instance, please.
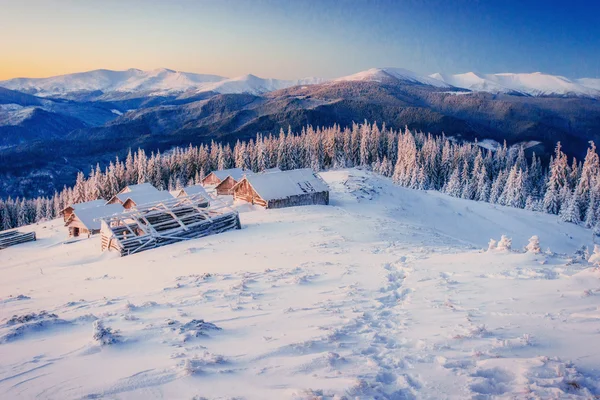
(292, 39)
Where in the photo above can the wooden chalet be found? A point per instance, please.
(216, 177)
(137, 195)
(82, 218)
(296, 187)
(67, 212)
(165, 222)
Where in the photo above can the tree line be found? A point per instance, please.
(414, 160)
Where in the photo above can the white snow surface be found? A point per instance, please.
(534, 84)
(385, 294)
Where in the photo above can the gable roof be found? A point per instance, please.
(235, 173)
(279, 185)
(87, 204)
(145, 197)
(138, 188)
(88, 216)
(142, 194)
(193, 189)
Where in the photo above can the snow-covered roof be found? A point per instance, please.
(142, 194)
(190, 190)
(88, 215)
(145, 197)
(279, 185)
(269, 170)
(88, 204)
(235, 173)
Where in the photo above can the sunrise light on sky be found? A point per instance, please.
(300, 38)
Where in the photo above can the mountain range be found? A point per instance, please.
(165, 81)
(50, 128)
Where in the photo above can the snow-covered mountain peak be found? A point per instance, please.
(383, 74)
(533, 84)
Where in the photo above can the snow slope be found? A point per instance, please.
(534, 84)
(382, 74)
(385, 294)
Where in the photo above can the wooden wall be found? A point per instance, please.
(225, 187)
(244, 191)
(211, 179)
(306, 199)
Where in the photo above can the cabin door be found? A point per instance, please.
(75, 232)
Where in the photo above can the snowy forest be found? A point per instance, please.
(415, 160)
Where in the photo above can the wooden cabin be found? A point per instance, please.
(296, 187)
(203, 199)
(216, 177)
(136, 195)
(224, 188)
(67, 212)
(83, 217)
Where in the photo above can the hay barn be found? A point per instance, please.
(296, 187)
(136, 195)
(82, 218)
(163, 223)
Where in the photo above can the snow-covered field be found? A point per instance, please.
(388, 293)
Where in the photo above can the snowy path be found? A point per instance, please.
(385, 294)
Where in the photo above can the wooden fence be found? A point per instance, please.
(13, 238)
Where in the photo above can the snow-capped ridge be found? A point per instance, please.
(531, 84)
(384, 74)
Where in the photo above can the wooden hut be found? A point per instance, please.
(137, 195)
(163, 223)
(296, 187)
(216, 177)
(203, 200)
(67, 212)
(82, 218)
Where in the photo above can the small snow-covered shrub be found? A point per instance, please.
(493, 244)
(505, 243)
(534, 245)
(21, 319)
(105, 335)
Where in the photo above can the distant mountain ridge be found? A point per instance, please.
(159, 81)
(532, 84)
(164, 81)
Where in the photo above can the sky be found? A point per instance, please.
(299, 38)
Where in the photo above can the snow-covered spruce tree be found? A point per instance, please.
(413, 159)
(570, 211)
